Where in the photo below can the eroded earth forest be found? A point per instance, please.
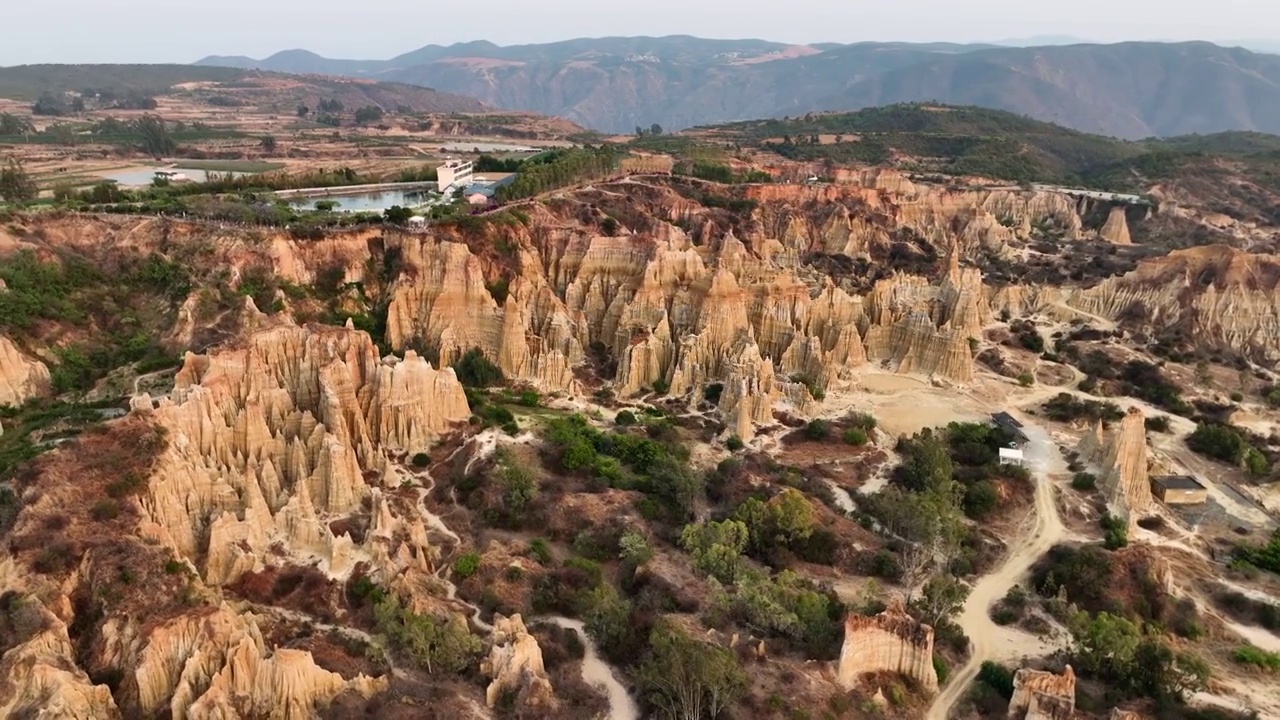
(791, 434)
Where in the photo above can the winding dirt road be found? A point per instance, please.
(990, 641)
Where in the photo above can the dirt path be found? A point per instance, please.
(988, 640)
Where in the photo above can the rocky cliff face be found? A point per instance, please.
(21, 377)
(1213, 297)
(684, 311)
(889, 642)
(271, 441)
(1040, 695)
(1121, 456)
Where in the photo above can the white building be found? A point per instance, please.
(454, 174)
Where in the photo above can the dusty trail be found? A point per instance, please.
(990, 641)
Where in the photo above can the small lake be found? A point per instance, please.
(375, 201)
(135, 178)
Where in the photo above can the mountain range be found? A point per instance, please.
(1127, 90)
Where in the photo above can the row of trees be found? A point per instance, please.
(559, 169)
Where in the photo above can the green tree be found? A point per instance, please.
(154, 133)
(369, 114)
(941, 598)
(926, 465)
(16, 186)
(268, 144)
(634, 548)
(791, 517)
(687, 679)
(436, 644)
(717, 547)
(14, 125)
(51, 105)
(655, 129)
(477, 371)
(303, 111)
(397, 215)
(520, 483)
(1104, 644)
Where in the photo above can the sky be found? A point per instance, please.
(90, 31)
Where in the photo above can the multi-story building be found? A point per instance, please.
(454, 174)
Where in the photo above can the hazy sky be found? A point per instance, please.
(83, 31)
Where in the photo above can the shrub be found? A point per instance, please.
(466, 565)
(1257, 657)
(529, 398)
(817, 430)
(1004, 615)
(997, 677)
(863, 421)
(734, 443)
(475, 370)
(661, 387)
(625, 418)
(421, 460)
(1220, 442)
(511, 428)
(1026, 379)
(1237, 397)
(941, 668)
(1157, 423)
(435, 644)
(105, 510)
(1116, 532)
(855, 436)
(539, 550)
(811, 384)
(981, 499)
(1084, 481)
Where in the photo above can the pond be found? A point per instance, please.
(373, 201)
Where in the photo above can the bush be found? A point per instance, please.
(661, 387)
(941, 668)
(466, 565)
(1220, 442)
(529, 398)
(863, 421)
(1004, 615)
(981, 499)
(1237, 397)
(1116, 532)
(435, 644)
(856, 437)
(734, 443)
(997, 677)
(1084, 481)
(105, 510)
(421, 460)
(817, 430)
(625, 418)
(1026, 379)
(539, 550)
(1157, 423)
(1257, 657)
(475, 370)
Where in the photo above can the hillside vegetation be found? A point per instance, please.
(992, 143)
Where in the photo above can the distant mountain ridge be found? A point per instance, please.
(1129, 90)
